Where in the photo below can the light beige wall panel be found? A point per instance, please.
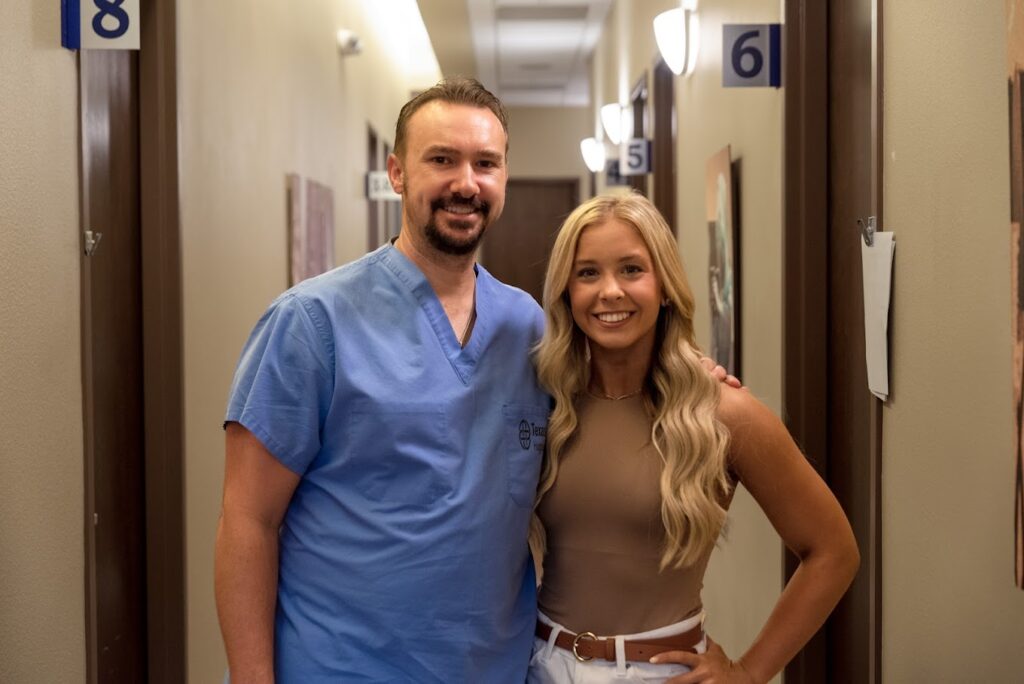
(263, 92)
(947, 432)
(598, 69)
(616, 48)
(1014, 26)
(745, 574)
(545, 143)
(42, 548)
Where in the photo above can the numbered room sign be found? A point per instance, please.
(378, 187)
(751, 55)
(635, 157)
(100, 24)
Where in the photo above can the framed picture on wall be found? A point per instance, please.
(310, 228)
(723, 261)
(1015, 89)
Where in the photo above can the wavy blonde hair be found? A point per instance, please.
(680, 395)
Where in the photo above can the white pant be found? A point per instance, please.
(553, 665)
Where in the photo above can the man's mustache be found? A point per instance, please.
(475, 204)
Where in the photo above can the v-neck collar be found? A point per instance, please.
(462, 359)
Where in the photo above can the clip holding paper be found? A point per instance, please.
(867, 230)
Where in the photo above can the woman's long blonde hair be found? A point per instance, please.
(680, 395)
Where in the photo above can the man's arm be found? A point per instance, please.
(257, 490)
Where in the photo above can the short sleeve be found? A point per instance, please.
(284, 381)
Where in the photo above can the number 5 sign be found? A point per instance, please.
(636, 157)
(100, 24)
(751, 55)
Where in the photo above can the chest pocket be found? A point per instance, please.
(525, 434)
(400, 452)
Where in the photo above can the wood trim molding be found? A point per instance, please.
(805, 301)
(874, 543)
(805, 260)
(162, 343)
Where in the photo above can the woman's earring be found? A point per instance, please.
(665, 302)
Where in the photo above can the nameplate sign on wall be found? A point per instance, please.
(378, 187)
(100, 24)
(635, 159)
(751, 55)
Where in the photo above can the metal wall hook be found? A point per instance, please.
(867, 230)
(92, 242)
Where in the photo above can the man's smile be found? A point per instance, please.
(461, 207)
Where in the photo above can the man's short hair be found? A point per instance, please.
(457, 90)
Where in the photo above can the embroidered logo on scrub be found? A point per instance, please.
(525, 434)
(527, 431)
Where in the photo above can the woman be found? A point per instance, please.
(644, 451)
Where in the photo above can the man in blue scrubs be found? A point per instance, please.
(384, 437)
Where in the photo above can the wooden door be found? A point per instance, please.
(132, 358)
(833, 178)
(855, 415)
(113, 367)
(664, 143)
(516, 247)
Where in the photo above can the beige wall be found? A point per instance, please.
(947, 505)
(545, 143)
(263, 92)
(42, 547)
(745, 573)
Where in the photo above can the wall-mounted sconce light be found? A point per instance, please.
(611, 119)
(593, 154)
(349, 43)
(677, 33)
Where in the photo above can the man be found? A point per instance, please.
(383, 441)
(385, 417)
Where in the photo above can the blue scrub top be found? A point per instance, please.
(403, 554)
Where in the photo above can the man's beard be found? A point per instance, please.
(450, 244)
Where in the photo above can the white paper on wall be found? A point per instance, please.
(876, 261)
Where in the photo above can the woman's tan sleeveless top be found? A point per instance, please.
(605, 537)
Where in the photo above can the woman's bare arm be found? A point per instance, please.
(812, 525)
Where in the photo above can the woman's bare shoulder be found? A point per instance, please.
(739, 409)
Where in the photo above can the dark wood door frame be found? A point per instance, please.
(806, 229)
(159, 282)
(664, 142)
(163, 365)
(638, 98)
(373, 163)
(112, 369)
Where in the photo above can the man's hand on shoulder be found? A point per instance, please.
(719, 373)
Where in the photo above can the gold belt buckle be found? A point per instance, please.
(576, 643)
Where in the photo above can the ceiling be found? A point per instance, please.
(528, 52)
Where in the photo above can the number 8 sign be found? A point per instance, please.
(100, 24)
(751, 55)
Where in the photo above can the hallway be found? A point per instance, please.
(263, 92)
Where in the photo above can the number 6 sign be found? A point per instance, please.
(751, 55)
(100, 24)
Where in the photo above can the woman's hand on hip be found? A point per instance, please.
(710, 667)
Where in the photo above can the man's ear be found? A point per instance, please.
(395, 174)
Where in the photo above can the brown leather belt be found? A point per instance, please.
(587, 646)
